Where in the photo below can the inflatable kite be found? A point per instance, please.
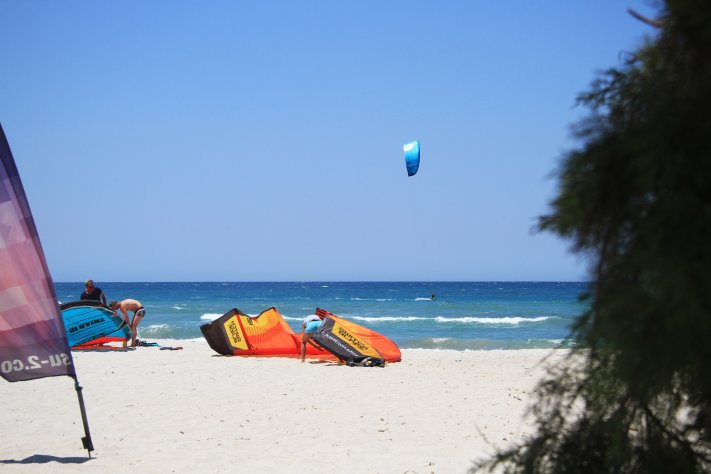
(268, 334)
(412, 157)
(352, 343)
(90, 323)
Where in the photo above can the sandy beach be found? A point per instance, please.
(192, 410)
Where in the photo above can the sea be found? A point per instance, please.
(423, 315)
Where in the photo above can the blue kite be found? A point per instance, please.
(412, 157)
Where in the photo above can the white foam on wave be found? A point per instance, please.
(423, 299)
(176, 307)
(210, 316)
(291, 318)
(388, 318)
(214, 316)
(432, 349)
(369, 299)
(504, 320)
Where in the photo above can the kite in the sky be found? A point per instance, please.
(412, 157)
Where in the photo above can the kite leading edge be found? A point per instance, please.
(412, 157)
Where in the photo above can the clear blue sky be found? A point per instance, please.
(262, 140)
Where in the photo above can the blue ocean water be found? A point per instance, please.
(463, 315)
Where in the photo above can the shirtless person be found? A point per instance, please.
(138, 312)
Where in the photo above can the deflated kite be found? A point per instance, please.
(90, 323)
(268, 334)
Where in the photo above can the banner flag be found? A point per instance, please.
(33, 341)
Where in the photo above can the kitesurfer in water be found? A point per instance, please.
(310, 325)
(138, 312)
(92, 292)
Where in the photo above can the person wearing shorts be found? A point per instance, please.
(310, 325)
(138, 312)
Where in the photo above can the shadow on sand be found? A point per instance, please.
(43, 459)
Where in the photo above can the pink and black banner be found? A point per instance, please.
(33, 342)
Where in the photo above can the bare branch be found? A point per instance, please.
(645, 20)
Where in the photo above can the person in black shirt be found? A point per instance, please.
(92, 292)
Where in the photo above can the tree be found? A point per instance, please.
(635, 198)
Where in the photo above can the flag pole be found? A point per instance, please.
(86, 440)
(35, 332)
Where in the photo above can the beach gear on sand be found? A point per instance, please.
(268, 334)
(102, 348)
(108, 347)
(142, 343)
(353, 344)
(89, 323)
(366, 362)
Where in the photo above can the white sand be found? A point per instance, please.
(192, 410)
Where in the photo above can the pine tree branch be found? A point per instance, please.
(645, 20)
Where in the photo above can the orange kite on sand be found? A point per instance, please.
(268, 334)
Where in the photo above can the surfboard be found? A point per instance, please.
(91, 323)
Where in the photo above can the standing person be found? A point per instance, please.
(92, 292)
(138, 312)
(310, 325)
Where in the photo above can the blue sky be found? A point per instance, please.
(262, 140)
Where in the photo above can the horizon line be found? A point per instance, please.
(333, 281)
